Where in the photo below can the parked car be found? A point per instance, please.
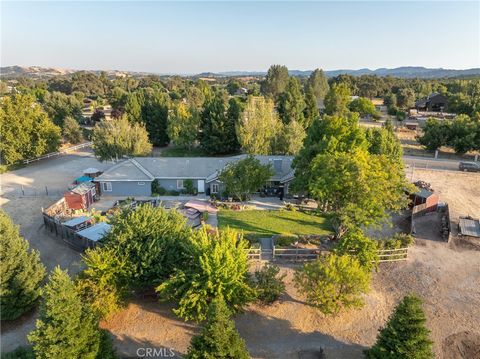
(469, 166)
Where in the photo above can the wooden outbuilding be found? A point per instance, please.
(81, 197)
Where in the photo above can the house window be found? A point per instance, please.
(180, 184)
(141, 183)
(214, 187)
(107, 186)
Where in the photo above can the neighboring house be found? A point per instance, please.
(435, 102)
(134, 177)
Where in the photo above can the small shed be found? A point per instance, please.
(91, 235)
(78, 223)
(469, 227)
(424, 196)
(81, 197)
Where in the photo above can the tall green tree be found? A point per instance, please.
(382, 141)
(289, 139)
(333, 282)
(115, 139)
(310, 113)
(406, 98)
(337, 100)
(319, 83)
(259, 126)
(435, 134)
(356, 244)
(219, 337)
(327, 135)
(218, 130)
(72, 130)
(219, 268)
(183, 125)
(462, 134)
(21, 271)
(275, 82)
(26, 130)
(152, 243)
(405, 334)
(60, 106)
(359, 189)
(66, 327)
(363, 106)
(244, 177)
(154, 115)
(291, 103)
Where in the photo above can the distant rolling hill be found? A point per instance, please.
(403, 72)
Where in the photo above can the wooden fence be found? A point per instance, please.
(393, 255)
(311, 254)
(254, 253)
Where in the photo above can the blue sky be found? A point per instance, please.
(192, 37)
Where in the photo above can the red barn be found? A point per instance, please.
(82, 196)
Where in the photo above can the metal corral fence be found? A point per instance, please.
(393, 255)
(28, 191)
(53, 154)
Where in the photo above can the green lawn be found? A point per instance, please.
(258, 223)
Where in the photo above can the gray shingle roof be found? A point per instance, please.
(148, 168)
(129, 170)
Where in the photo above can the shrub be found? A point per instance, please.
(219, 267)
(268, 284)
(188, 184)
(355, 243)
(332, 282)
(405, 335)
(173, 193)
(284, 241)
(155, 186)
(21, 271)
(219, 338)
(400, 115)
(399, 240)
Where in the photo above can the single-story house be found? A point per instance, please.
(435, 102)
(134, 176)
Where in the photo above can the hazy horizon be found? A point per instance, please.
(195, 37)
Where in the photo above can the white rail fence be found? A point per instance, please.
(53, 154)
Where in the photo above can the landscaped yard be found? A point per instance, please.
(259, 223)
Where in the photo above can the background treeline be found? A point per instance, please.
(224, 116)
